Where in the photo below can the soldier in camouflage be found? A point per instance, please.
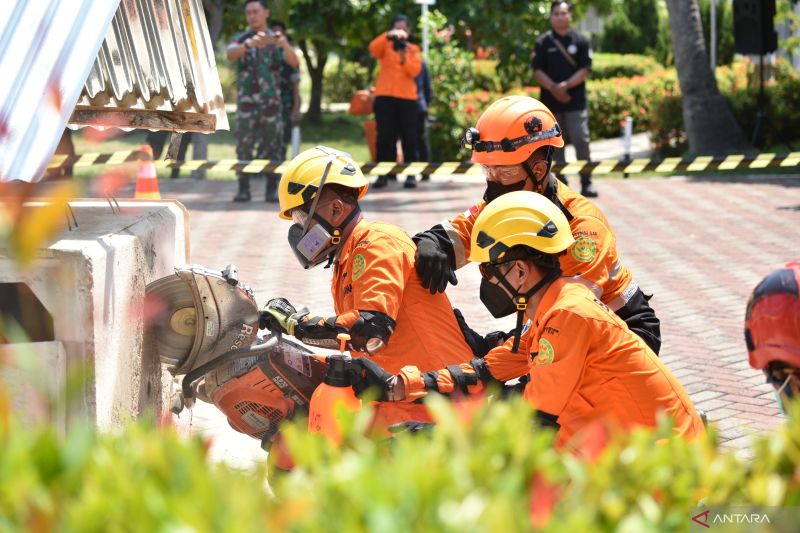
(290, 93)
(260, 56)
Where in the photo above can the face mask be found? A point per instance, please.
(496, 189)
(312, 247)
(495, 299)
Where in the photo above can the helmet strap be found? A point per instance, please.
(521, 300)
(540, 184)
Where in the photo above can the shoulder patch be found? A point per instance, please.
(546, 352)
(358, 266)
(584, 250)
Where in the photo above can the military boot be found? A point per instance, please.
(244, 189)
(271, 195)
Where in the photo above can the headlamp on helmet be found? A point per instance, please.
(472, 139)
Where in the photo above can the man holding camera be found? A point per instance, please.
(260, 56)
(396, 94)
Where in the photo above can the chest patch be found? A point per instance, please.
(358, 266)
(584, 250)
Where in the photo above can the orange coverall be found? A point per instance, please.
(395, 79)
(593, 259)
(584, 365)
(375, 272)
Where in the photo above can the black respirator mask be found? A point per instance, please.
(500, 304)
(316, 244)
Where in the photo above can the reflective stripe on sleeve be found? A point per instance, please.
(596, 289)
(620, 301)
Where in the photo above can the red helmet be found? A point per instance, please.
(511, 129)
(772, 322)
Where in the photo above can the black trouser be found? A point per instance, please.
(423, 153)
(395, 118)
(642, 320)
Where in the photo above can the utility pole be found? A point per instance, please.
(425, 4)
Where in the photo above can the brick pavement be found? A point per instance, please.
(699, 244)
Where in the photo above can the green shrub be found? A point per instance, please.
(342, 81)
(605, 66)
(738, 85)
(452, 76)
(500, 473)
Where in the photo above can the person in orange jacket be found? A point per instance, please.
(772, 331)
(378, 297)
(514, 141)
(581, 361)
(396, 94)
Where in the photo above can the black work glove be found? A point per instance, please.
(479, 344)
(433, 266)
(366, 374)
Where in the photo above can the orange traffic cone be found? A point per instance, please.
(146, 178)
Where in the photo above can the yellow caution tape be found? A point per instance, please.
(635, 166)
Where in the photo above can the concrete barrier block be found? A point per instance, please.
(92, 281)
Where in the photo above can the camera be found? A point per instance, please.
(398, 44)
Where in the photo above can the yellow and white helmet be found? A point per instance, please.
(301, 181)
(519, 218)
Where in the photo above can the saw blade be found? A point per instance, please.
(175, 323)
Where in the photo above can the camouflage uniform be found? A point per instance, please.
(289, 76)
(259, 121)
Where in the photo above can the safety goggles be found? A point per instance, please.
(504, 174)
(490, 271)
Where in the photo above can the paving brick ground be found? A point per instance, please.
(699, 244)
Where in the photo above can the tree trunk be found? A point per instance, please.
(315, 72)
(215, 9)
(710, 126)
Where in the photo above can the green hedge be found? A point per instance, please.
(497, 474)
(738, 84)
(605, 66)
(342, 81)
(654, 102)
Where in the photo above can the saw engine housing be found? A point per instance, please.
(203, 326)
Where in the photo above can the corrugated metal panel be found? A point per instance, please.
(46, 50)
(157, 55)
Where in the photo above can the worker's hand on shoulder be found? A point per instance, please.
(433, 266)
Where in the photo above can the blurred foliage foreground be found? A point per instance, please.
(497, 474)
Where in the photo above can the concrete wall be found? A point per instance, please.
(92, 282)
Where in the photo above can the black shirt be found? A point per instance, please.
(548, 58)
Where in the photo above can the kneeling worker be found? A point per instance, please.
(581, 361)
(378, 297)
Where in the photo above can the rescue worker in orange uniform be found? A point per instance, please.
(582, 362)
(514, 141)
(772, 331)
(378, 297)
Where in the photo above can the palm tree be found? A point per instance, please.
(710, 125)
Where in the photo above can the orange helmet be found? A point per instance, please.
(772, 322)
(511, 129)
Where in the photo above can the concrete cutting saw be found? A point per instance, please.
(203, 325)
